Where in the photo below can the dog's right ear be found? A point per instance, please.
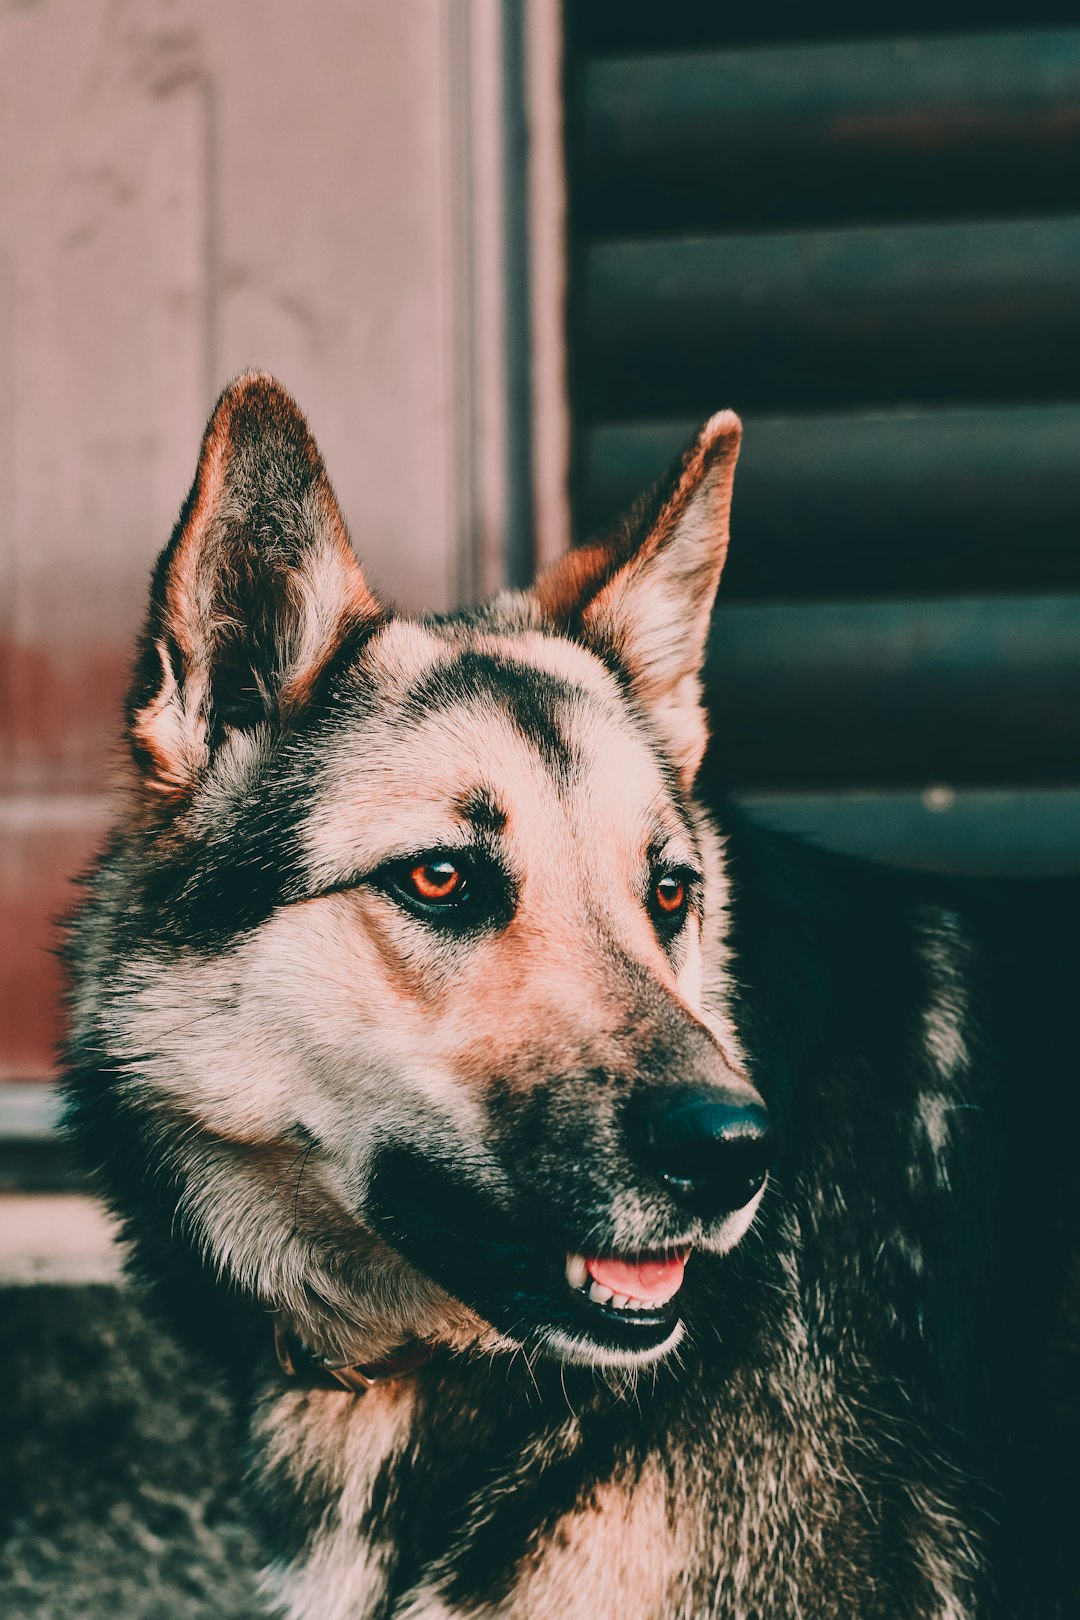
(254, 594)
(643, 595)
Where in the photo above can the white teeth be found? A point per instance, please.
(576, 1274)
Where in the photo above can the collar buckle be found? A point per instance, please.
(301, 1365)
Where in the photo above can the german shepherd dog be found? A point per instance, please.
(605, 1207)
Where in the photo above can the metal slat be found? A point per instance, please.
(642, 25)
(835, 506)
(915, 314)
(869, 694)
(960, 126)
(999, 831)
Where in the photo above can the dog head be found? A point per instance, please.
(411, 953)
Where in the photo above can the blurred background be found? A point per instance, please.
(507, 253)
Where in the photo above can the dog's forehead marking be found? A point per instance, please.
(540, 681)
(406, 651)
(556, 655)
(532, 674)
(536, 701)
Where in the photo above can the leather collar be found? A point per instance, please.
(303, 1366)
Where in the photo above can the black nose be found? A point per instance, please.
(711, 1152)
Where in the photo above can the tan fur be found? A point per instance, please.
(622, 1554)
(619, 1554)
(332, 1446)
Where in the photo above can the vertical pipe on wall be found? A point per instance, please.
(505, 191)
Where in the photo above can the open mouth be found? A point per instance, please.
(625, 1289)
(612, 1308)
(623, 1307)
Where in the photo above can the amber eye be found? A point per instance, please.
(670, 893)
(458, 891)
(437, 880)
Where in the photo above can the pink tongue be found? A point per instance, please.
(652, 1280)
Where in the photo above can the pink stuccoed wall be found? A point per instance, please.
(187, 189)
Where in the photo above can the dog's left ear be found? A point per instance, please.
(644, 595)
(255, 593)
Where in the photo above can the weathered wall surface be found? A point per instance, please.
(186, 189)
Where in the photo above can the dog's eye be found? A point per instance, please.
(437, 882)
(669, 899)
(670, 893)
(450, 889)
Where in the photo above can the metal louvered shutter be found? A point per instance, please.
(865, 237)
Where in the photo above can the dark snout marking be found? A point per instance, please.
(711, 1149)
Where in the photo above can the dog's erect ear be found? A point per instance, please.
(644, 595)
(255, 592)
